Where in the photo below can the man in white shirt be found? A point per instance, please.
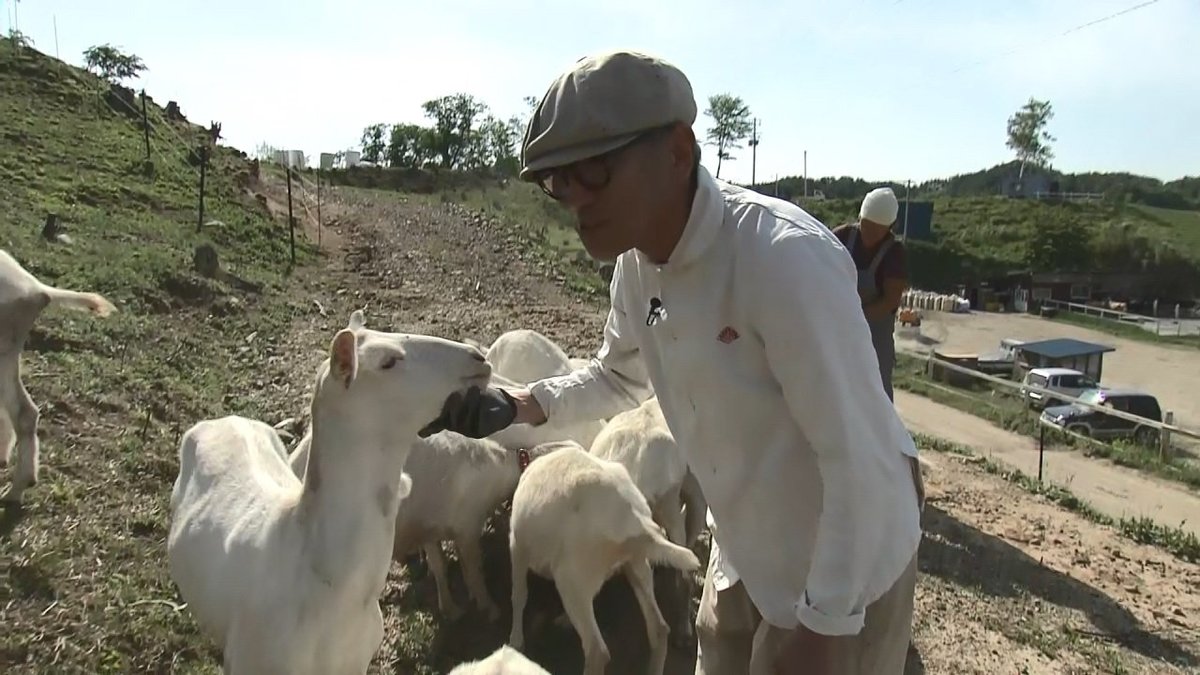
(741, 313)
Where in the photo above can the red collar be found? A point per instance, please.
(523, 459)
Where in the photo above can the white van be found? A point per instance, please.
(1070, 383)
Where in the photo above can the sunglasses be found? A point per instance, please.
(593, 173)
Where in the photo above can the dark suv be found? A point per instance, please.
(1088, 422)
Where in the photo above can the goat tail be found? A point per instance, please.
(660, 550)
(88, 302)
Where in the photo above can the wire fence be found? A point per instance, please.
(173, 149)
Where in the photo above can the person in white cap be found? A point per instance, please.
(882, 264)
(740, 312)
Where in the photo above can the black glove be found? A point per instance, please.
(475, 414)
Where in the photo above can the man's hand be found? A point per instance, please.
(529, 411)
(805, 653)
(475, 414)
(480, 413)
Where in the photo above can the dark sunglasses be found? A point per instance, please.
(592, 173)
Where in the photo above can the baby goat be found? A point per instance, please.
(503, 661)
(578, 519)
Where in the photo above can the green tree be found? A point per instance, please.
(374, 144)
(410, 146)
(112, 64)
(731, 124)
(1028, 137)
(454, 128)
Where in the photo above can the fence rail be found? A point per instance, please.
(1150, 324)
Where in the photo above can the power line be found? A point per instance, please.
(1066, 32)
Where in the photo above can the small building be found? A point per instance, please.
(1025, 290)
(1086, 357)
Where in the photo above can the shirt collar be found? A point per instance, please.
(704, 221)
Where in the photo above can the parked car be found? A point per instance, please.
(1070, 383)
(1088, 422)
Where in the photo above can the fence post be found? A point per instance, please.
(145, 125)
(291, 219)
(1164, 438)
(1041, 448)
(203, 170)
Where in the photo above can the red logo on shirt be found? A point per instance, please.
(727, 334)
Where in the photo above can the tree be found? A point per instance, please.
(454, 126)
(112, 64)
(373, 143)
(731, 124)
(410, 146)
(1027, 135)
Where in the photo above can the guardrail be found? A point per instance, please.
(1166, 428)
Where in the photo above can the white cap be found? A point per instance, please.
(879, 206)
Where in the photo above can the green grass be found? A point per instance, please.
(82, 584)
(1183, 225)
(1176, 541)
(1003, 409)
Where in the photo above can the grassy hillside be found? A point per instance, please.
(80, 579)
(982, 236)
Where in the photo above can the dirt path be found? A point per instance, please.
(1114, 490)
(1013, 584)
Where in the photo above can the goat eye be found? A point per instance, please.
(389, 363)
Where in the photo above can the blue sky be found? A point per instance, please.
(882, 89)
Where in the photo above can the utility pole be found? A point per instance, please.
(753, 151)
(907, 191)
(806, 174)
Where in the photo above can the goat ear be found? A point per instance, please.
(343, 357)
(357, 321)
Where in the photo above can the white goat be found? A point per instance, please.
(641, 441)
(22, 299)
(523, 356)
(526, 355)
(285, 575)
(457, 483)
(578, 519)
(503, 661)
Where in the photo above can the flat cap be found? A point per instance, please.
(601, 103)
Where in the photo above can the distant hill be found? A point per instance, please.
(1183, 193)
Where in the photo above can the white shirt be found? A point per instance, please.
(766, 375)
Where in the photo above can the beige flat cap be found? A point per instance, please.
(601, 103)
